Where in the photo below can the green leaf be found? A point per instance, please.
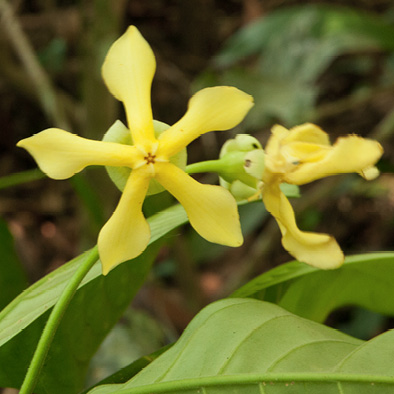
(12, 276)
(98, 304)
(93, 311)
(249, 346)
(364, 280)
(41, 296)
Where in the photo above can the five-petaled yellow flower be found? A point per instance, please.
(128, 72)
(301, 155)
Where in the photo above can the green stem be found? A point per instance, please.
(203, 166)
(20, 178)
(53, 322)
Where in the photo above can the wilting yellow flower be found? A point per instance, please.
(301, 155)
(128, 72)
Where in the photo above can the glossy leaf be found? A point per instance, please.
(364, 280)
(248, 346)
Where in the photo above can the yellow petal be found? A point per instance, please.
(128, 72)
(61, 154)
(212, 210)
(348, 154)
(307, 132)
(127, 233)
(217, 108)
(286, 148)
(318, 250)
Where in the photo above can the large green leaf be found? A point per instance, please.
(12, 276)
(249, 346)
(364, 280)
(98, 304)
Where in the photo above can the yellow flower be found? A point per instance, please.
(128, 72)
(301, 155)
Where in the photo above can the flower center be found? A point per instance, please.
(149, 158)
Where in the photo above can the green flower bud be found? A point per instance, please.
(238, 156)
(241, 143)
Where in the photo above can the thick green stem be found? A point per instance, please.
(53, 322)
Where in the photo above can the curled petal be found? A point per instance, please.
(128, 72)
(287, 148)
(127, 233)
(212, 210)
(318, 250)
(348, 154)
(307, 132)
(217, 108)
(61, 154)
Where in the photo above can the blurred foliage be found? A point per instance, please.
(311, 61)
(12, 276)
(291, 49)
(136, 335)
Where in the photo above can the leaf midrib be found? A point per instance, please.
(268, 378)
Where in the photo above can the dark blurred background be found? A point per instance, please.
(327, 62)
